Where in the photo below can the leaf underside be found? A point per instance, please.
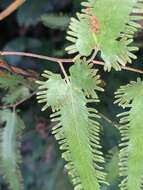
(108, 27)
(10, 158)
(112, 165)
(76, 129)
(131, 129)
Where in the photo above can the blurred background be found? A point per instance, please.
(40, 27)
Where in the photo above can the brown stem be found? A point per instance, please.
(64, 72)
(53, 59)
(93, 56)
(37, 56)
(11, 8)
(123, 67)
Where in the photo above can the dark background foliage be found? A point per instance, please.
(40, 27)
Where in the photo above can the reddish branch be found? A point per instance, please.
(11, 8)
(16, 70)
(37, 56)
(57, 60)
(53, 59)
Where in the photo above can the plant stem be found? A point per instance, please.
(57, 60)
(64, 72)
(11, 8)
(18, 103)
(123, 67)
(93, 56)
(37, 56)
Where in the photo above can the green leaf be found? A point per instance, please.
(10, 158)
(132, 90)
(7, 80)
(77, 129)
(29, 13)
(56, 92)
(88, 80)
(55, 21)
(109, 29)
(131, 130)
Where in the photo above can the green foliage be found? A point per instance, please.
(109, 29)
(88, 81)
(55, 21)
(131, 130)
(16, 87)
(112, 165)
(103, 27)
(78, 135)
(7, 80)
(10, 138)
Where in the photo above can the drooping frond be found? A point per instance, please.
(131, 129)
(10, 158)
(107, 26)
(77, 129)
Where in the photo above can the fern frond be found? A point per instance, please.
(53, 92)
(16, 86)
(8, 80)
(127, 93)
(88, 80)
(10, 158)
(109, 29)
(77, 129)
(131, 129)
